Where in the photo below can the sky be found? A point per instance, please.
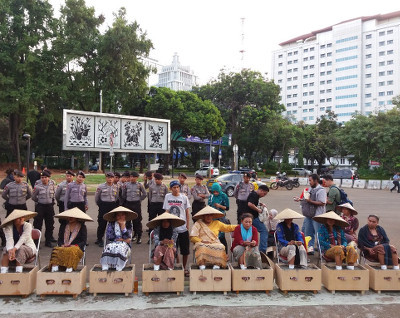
(208, 35)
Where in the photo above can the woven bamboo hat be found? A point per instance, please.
(74, 213)
(16, 214)
(173, 219)
(288, 214)
(208, 211)
(112, 215)
(323, 218)
(347, 206)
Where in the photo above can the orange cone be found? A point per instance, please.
(23, 170)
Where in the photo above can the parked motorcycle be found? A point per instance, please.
(282, 181)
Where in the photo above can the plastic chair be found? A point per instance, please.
(37, 235)
(278, 255)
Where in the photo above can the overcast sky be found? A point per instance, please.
(207, 35)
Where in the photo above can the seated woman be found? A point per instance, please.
(118, 238)
(373, 241)
(333, 242)
(271, 224)
(204, 235)
(290, 241)
(165, 236)
(72, 238)
(20, 246)
(348, 214)
(220, 201)
(245, 243)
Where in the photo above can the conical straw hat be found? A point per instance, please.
(348, 206)
(74, 213)
(112, 215)
(16, 214)
(288, 214)
(323, 218)
(208, 211)
(173, 219)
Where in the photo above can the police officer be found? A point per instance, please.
(148, 179)
(124, 178)
(241, 193)
(200, 194)
(76, 194)
(157, 192)
(106, 199)
(16, 193)
(44, 195)
(184, 188)
(50, 180)
(61, 189)
(133, 193)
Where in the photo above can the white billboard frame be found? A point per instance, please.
(90, 131)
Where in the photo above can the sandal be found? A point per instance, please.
(187, 274)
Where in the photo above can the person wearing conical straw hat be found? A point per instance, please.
(20, 246)
(290, 241)
(348, 214)
(375, 244)
(118, 238)
(72, 238)
(204, 236)
(333, 243)
(165, 236)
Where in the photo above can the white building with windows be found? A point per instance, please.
(176, 76)
(353, 66)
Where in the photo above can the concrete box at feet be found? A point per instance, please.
(111, 281)
(388, 279)
(345, 279)
(19, 283)
(298, 279)
(163, 281)
(61, 283)
(210, 279)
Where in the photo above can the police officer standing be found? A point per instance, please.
(148, 179)
(76, 194)
(184, 188)
(106, 199)
(157, 193)
(44, 195)
(16, 193)
(200, 193)
(61, 189)
(241, 193)
(133, 193)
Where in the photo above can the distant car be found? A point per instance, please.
(94, 168)
(204, 172)
(229, 181)
(252, 172)
(341, 174)
(302, 172)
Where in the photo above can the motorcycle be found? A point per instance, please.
(295, 182)
(282, 181)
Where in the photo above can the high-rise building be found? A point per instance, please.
(350, 67)
(176, 76)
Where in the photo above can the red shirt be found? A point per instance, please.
(237, 236)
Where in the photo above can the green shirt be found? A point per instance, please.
(334, 197)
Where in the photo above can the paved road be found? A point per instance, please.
(380, 202)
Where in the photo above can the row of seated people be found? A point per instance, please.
(209, 251)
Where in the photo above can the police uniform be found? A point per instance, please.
(148, 183)
(156, 198)
(184, 189)
(241, 193)
(198, 202)
(16, 195)
(107, 199)
(133, 194)
(44, 196)
(76, 196)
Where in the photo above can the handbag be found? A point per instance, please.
(263, 216)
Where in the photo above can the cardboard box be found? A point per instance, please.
(388, 279)
(162, 281)
(252, 279)
(298, 279)
(345, 279)
(61, 283)
(23, 284)
(210, 279)
(111, 281)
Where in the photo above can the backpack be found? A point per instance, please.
(309, 209)
(343, 197)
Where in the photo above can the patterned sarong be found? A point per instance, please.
(66, 256)
(115, 255)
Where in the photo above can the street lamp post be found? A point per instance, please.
(235, 157)
(28, 151)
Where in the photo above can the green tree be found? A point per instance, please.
(26, 27)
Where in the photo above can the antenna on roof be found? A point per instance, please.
(242, 51)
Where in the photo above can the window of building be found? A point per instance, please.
(390, 72)
(389, 93)
(311, 67)
(295, 78)
(381, 84)
(329, 54)
(311, 84)
(329, 90)
(289, 79)
(381, 103)
(289, 70)
(305, 50)
(280, 56)
(279, 81)
(368, 95)
(351, 38)
(305, 94)
(295, 61)
(295, 104)
(321, 82)
(322, 73)
(290, 62)
(389, 32)
(381, 43)
(290, 54)
(294, 86)
(381, 94)
(295, 52)
(311, 110)
(305, 110)
(288, 112)
(322, 100)
(289, 96)
(329, 107)
(305, 102)
(280, 73)
(305, 85)
(311, 93)
(322, 46)
(389, 102)
(368, 36)
(295, 69)
(368, 85)
(389, 52)
(390, 62)
(368, 46)
(368, 104)
(328, 81)
(305, 76)
(389, 42)
(305, 59)
(368, 75)
(381, 33)
(289, 88)
(328, 72)
(368, 66)
(329, 45)
(382, 53)
(382, 63)
(322, 91)
(368, 56)
(294, 95)
(311, 49)
(280, 64)
(311, 75)
(329, 63)
(311, 58)
(305, 67)
(322, 55)
(382, 73)
(389, 82)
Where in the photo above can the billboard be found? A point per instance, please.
(90, 131)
